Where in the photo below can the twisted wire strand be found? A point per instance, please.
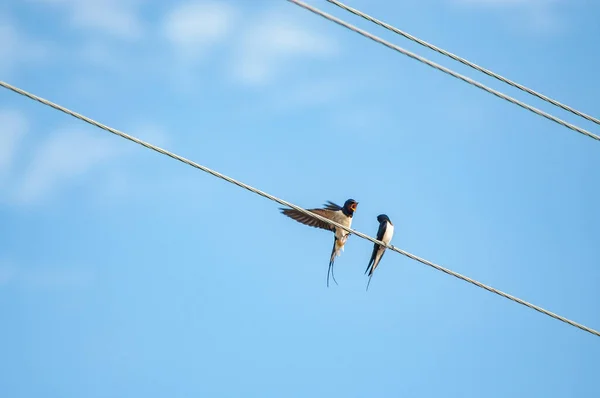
(463, 61)
(444, 69)
(288, 204)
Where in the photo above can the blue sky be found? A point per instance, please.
(124, 273)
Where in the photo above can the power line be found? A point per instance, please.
(463, 61)
(285, 203)
(444, 69)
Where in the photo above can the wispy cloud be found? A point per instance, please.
(18, 49)
(194, 27)
(255, 49)
(99, 54)
(274, 42)
(13, 126)
(149, 132)
(117, 18)
(64, 156)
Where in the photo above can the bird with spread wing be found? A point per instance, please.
(340, 214)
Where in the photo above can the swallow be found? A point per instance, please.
(384, 234)
(340, 214)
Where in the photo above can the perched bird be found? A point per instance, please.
(384, 234)
(340, 214)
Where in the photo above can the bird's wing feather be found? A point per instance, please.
(376, 247)
(332, 206)
(311, 221)
(381, 231)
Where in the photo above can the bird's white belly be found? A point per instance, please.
(389, 232)
(340, 234)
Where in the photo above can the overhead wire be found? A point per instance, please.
(463, 61)
(288, 204)
(444, 69)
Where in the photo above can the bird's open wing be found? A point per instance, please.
(311, 221)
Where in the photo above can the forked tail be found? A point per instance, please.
(334, 254)
(336, 250)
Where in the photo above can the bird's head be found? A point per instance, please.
(350, 206)
(382, 217)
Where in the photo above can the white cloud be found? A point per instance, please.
(195, 26)
(117, 18)
(129, 62)
(16, 49)
(272, 43)
(65, 155)
(263, 46)
(99, 54)
(13, 127)
(149, 132)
